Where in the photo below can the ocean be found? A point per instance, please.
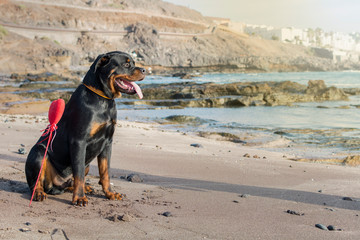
(311, 130)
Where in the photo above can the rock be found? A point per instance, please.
(246, 155)
(352, 91)
(167, 214)
(320, 92)
(332, 94)
(321, 226)
(183, 96)
(15, 76)
(25, 229)
(127, 218)
(352, 161)
(344, 107)
(142, 34)
(221, 136)
(254, 89)
(244, 195)
(281, 98)
(281, 133)
(135, 178)
(347, 199)
(184, 75)
(42, 77)
(315, 86)
(184, 119)
(238, 94)
(330, 209)
(295, 213)
(196, 145)
(22, 151)
(331, 228)
(290, 87)
(237, 102)
(115, 218)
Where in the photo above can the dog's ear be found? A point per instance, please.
(101, 61)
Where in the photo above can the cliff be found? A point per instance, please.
(58, 36)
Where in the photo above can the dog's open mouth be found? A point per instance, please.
(129, 87)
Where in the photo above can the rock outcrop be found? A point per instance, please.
(241, 94)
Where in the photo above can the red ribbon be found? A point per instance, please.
(56, 111)
(49, 131)
(50, 128)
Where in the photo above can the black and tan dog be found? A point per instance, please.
(85, 131)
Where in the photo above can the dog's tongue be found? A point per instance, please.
(137, 89)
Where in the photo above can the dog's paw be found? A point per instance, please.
(40, 195)
(114, 196)
(69, 189)
(89, 189)
(80, 201)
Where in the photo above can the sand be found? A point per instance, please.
(15, 104)
(212, 192)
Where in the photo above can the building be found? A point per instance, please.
(344, 47)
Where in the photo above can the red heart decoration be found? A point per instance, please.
(56, 111)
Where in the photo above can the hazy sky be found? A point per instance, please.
(330, 15)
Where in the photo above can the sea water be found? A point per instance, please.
(315, 129)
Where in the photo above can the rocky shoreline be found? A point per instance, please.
(183, 94)
(240, 94)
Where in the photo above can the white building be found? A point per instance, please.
(291, 35)
(343, 42)
(266, 32)
(344, 46)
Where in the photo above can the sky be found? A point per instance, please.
(329, 15)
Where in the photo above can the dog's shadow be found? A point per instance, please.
(21, 188)
(14, 186)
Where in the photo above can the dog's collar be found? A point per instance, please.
(97, 91)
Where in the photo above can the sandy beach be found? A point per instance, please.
(248, 129)
(221, 190)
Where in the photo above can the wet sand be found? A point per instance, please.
(221, 190)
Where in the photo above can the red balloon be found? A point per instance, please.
(56, 111)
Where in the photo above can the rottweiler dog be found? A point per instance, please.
(85, 131)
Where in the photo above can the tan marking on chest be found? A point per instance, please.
(96, 127)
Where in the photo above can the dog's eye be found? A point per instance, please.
(127, 65)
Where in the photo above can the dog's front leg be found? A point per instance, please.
(104, 166)
(78, 168)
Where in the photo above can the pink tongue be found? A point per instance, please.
(137, 89)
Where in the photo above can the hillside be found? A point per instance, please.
(67, 35)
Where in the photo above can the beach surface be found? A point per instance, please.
(211, 190)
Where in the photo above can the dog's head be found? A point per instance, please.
(115, 73)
